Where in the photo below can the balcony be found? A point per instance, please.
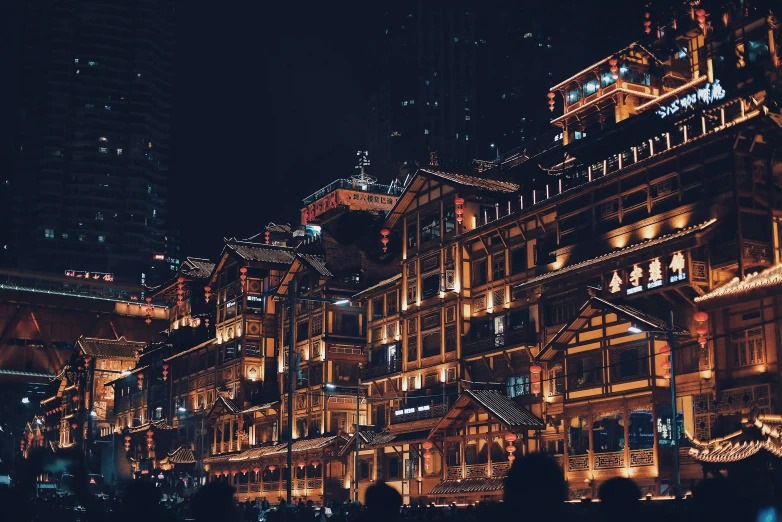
(379, 370)
(419, 413)
(502, 340)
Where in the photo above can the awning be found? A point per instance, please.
(468, 486)
(497, 404)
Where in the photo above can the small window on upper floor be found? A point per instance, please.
(430, 227)
(412, 233)
(377, 308)
(49, 233)
(479, 272)
(498, 265)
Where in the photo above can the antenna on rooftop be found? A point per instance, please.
(362, 179)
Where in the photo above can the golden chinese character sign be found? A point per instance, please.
(648, 275)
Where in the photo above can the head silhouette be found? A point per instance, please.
(215, 501)
(535, 486)
(383, 502)
(618, 497)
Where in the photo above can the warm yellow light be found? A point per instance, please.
(404, 383)
(442, 294)
(706, 374)
(443, 373)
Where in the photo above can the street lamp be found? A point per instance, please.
(671, 375)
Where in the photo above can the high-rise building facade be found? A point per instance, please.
(88, 186)
(425, 78)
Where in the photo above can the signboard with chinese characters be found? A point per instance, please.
(705, 95)
(86, 274)
(352, 199)
(651, 274)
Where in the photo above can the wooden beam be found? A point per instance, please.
(113, 328)
(692, 303)
(11, 325)
(378, 389)
(488, 366)
(510, 362)
(47, 343)
(521, 229)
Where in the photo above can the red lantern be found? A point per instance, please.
(225, 472)
(427, 445)
(614, 69)
(140, 381)
(256, 469)
(267, 234)
(207, 293)
(148, 320)
(701, 317)
(165, 372)
(666, 365)
(302, 463)
(511, 449)
(150, 433)
(427, 455)
(701, 329)
(243, 271)
(702, 340)
(384, 232)
(511, 458)
(459, 202)
(272, 468)
(551, 101)
(74, 425)
(665, 350)
(667, 375)
(244, 471)
(75, 398)
(510, 437)
(315, 463)
(534, 371)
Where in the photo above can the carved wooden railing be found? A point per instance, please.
(499, 469)
(578, 462)
(609, 460)
(642, 457)
(271, 486)
(453, 472)
(476, 470)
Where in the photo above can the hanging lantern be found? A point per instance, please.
(225, 472)
(87, 360)
(666, 365)
(700, 17)
(667, 375)
(206, 322)
(165, 372)
(510, 437)
(302, 463)
(75, 398)
(267, 234)
(207, 293)
(140, 381)
(244, 471)
(150, 433)
(511, 449)
(256, 469)
(551, 101)
(665, 350)
(428, 455)
(315, 463)
(702, 340)
(384, 232)
(701, 317)
(701, 329)
(427, 445)
(534, 372)
(614, 69)
(148, 320)
(272, 468)
(243, 272)
(511, 457)
(459, 202)
(74, 425)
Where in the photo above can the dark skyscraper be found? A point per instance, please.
(424, 100)
(88, 184)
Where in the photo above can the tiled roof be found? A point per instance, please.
(377, 439)
(479, 485)
(382, 284)
(260, 407)
(473, 181)
(770, 277)
(197, 268)
(21, 373)
(226, 403)
(281, 227)
(507, 411)
(307, 444)
(754, 436)
(277, 449)
(119, 349)
(181, 455)
(262, 252)
(192, 349)
(255, 453)
(595, 306)
(317, 263)
(615, 254)
(158, 425)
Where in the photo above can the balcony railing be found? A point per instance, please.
(417, 413)
(377, 370)
(498, 341)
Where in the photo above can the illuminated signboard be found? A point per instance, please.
(705, 95)
(353, 199)
(84, 274)
(648, 275)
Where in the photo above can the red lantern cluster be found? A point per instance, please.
(267, 234)
(613, 62)
(207, 293)
(551, 101)
(87, 361)
(148, 320)
(701, 318)
(384, 232)
(140, 379)
(459, 202)
(21, 445)
(666, 350)
(534, 378)
(165, 372)
(700, 17)
(510, 438)
(243, 272)
(180, 291)
(206, 322)
(150, 439)
(127, 443)
(647, 23)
